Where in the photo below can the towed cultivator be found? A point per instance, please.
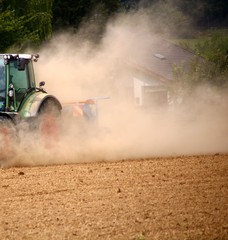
(22, 101)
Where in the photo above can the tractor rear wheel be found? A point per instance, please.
(49, 123)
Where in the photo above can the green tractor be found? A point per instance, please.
(21, 99)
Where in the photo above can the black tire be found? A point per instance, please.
(49, 122)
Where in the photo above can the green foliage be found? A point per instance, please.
(209, 67)
(12, 29)
(187, 78)
(214, 48)
(32, 21)
(39, 13)
(24, 23)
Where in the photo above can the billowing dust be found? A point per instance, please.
(76, 69)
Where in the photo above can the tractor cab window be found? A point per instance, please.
(2, 84)
(18, 78)
(21, 80)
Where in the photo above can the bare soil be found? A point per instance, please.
(159, 198)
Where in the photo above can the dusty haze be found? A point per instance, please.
(76, 69)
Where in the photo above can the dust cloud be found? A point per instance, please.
(76, 69)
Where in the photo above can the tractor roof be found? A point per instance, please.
(18, 56)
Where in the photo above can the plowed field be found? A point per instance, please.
(158, 198)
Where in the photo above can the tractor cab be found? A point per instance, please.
(19, 95)
(16, 80)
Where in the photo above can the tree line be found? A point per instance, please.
(33, 21)
(29, 23)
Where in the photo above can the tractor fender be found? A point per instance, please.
(31, 108)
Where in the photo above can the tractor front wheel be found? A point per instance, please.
(7, 139)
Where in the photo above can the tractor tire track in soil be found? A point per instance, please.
(159, 198)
